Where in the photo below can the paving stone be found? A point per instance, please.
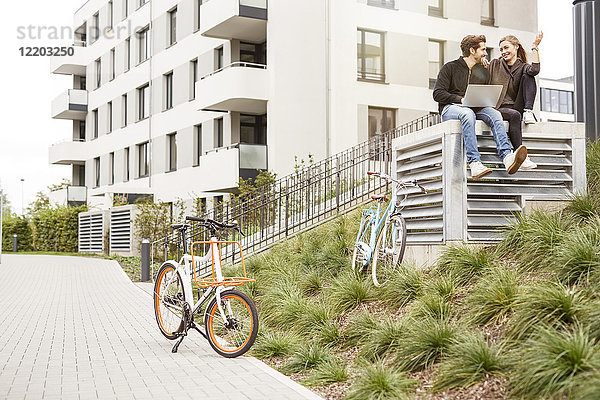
(88, 332)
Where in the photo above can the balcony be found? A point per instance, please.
(241, 87)
(67, 152)
(70, 195)
(235, 19)
(70, 65)
(239, 160)
(71, 104)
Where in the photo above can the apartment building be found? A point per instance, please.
(180, 98)
(557, 101)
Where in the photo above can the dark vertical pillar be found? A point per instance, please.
(586, 36)
(15, 243)
(145, 259)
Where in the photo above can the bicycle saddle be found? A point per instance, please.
(380, 197)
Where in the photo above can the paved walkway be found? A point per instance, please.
(77, 328)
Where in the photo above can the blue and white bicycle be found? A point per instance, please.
(381, 238)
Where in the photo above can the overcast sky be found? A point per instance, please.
(29, 88)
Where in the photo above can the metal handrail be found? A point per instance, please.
(236, 64)
(309, 196)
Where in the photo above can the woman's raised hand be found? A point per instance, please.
(538, 39)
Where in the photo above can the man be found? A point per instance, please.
(449, 91)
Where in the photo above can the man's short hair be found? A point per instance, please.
(471, 42)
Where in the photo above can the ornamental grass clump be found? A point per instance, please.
(550, 303)
(470, 359)
(585, 206)
(330, 371)
(348, 291)
(405, 284)
(432, 306)
(275, 344)
(444, 285)
(551, 360)
(383, 340)
(307, 357)
(283, 305)
(494, 297)
(578, 258)
(465, 262)
(360, 328)
(425, 342)
(379, 381)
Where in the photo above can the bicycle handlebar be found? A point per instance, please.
(212, 224)
(412, 182)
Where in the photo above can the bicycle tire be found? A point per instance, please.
(357, 265)
(168, 297)
(389, 248)
(237, 338)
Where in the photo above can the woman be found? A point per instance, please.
(518, 78)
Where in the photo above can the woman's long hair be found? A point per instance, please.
(515, 42)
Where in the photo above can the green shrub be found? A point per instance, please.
(12, 225)
(348, 291)
(464, 262)
(551, 360)
(383, 340)
(494, 296)
(405, 284)
(469, 360)
(56, 228)
(585, 206)
(328, 372)
(593, 162)
(546, 303)
(578, 257)
(425, 342)
(378, 381)
(307, 357)
(275, 344)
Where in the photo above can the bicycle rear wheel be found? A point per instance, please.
(168, 301)
(234, 336)
(358, 258)
(389, 248)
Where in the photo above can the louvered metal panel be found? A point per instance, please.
(120, 230)
(91, 232)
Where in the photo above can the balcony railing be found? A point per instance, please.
(71, 65)
(234, 19)
(70, 195)
(68, 152)
(71, 104)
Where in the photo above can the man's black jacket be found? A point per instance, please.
(452, 81)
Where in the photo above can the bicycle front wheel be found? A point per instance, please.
(358, 257)
(168, 301)
(389, 248)
(235, 335)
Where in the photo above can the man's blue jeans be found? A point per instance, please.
(467, 117)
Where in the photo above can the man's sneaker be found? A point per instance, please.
(529, 117)
(528, 164)
(478, 170)
(513, 160)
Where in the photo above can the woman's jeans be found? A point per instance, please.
(467, 117)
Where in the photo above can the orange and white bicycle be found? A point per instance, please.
(230, 319)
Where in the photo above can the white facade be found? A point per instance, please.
(306, 90)
(557, 100)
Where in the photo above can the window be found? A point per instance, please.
(436, 60)
(126, 165)
(487, 12)
(143, 102)
(95, 122)
(219, 58)
(381, 120)
(144, 45)
(82, 83)
(125, 9)
(382, 3)
(197, 4)
(110, 116)
(81, 136)
(110, 14)
(112, 64)
(219, 132)
(370, 56)
(557, 101)
(111, 168)
(197, 144)
(255, 53)
(253, 129)
(98, 72)
(80, 181)
(168, 90)
(436, 8)
(95, 28)
(124, 110)
(172, 149)
(96, 172)
(194, 68)
(143, 160)
(173, 26)
(127, 54)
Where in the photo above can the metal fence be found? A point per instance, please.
(307, 197)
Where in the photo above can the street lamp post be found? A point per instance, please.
(22, 195)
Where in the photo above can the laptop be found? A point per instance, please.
(482, 95)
